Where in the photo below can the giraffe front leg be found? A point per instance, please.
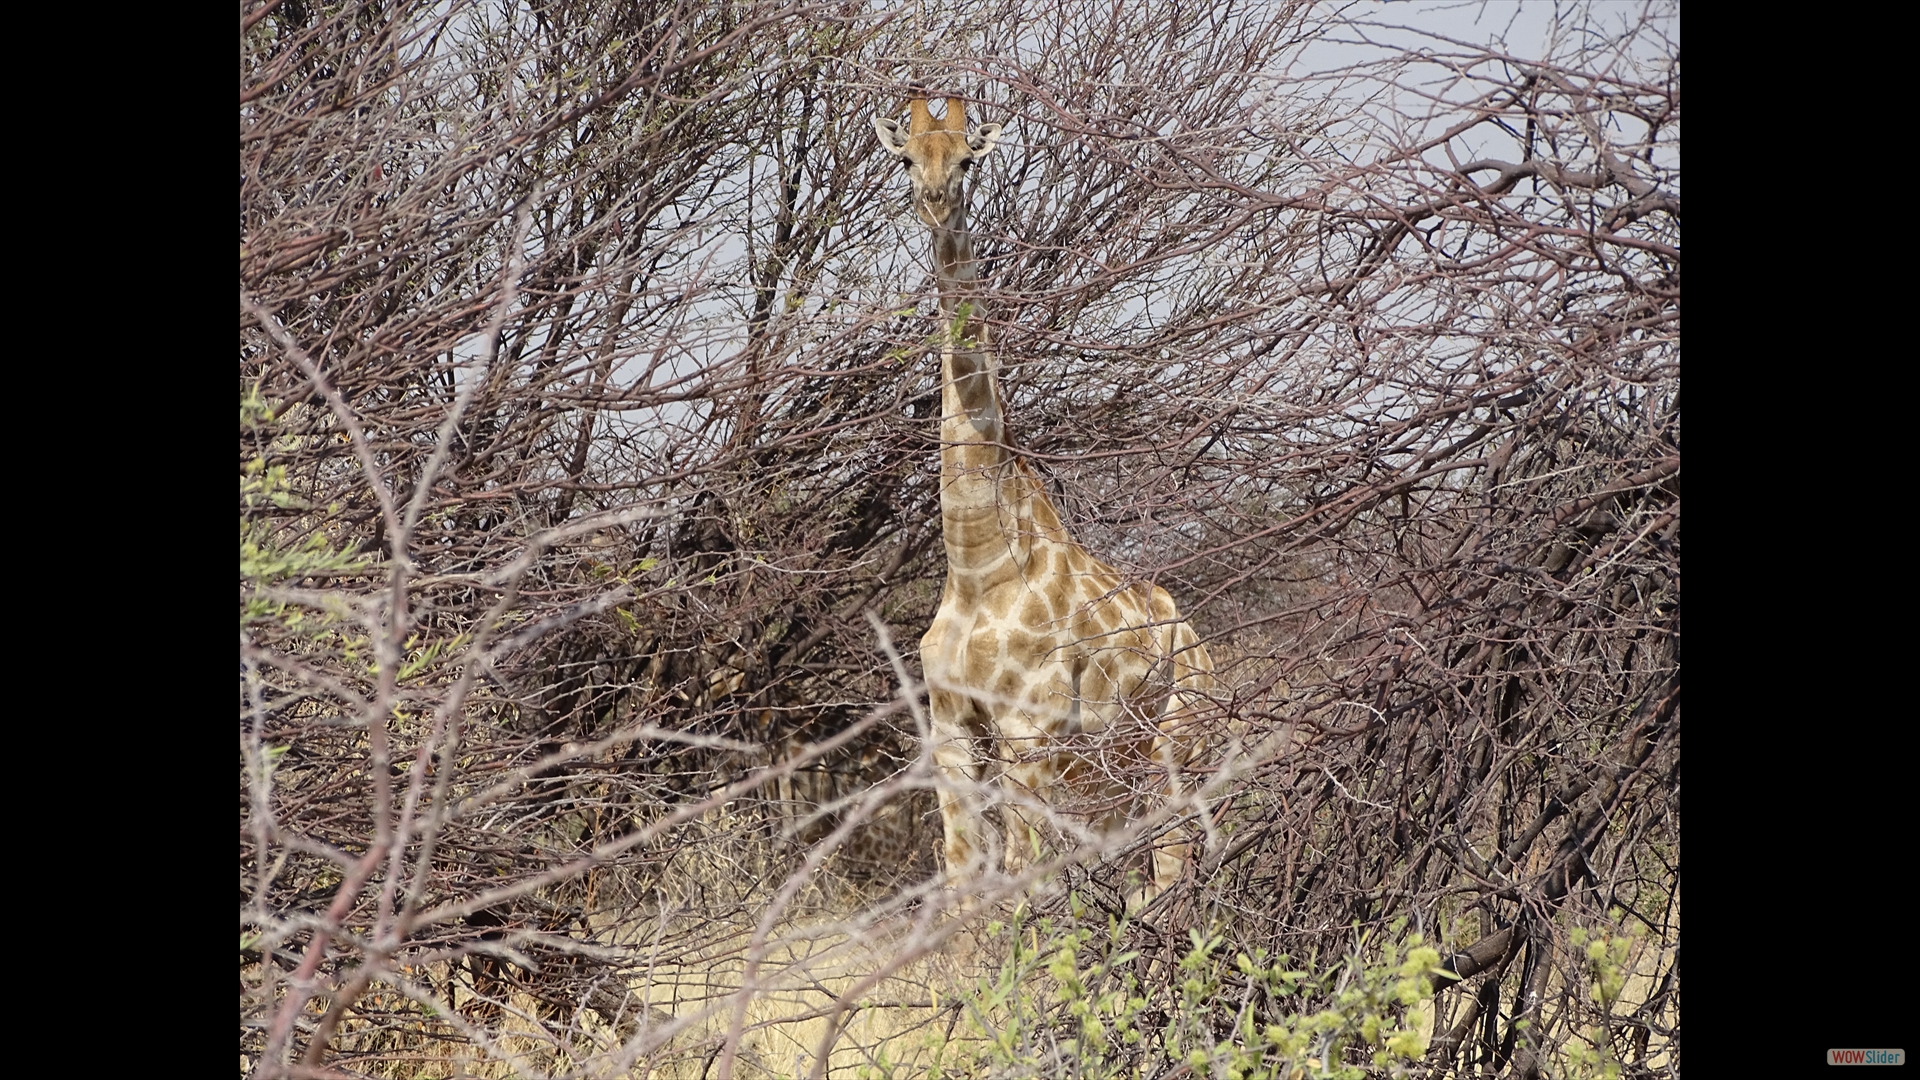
(1025, 788)
(1168, 860)
(967, 857)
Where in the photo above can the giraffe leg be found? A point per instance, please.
(1169, 858)
(1117, 784)
(960, 819)
(1176, 746)
(1181, 738)
(1027, 784)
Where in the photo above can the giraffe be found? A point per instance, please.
(1068, 670)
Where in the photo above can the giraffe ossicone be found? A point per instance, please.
(1079, 680)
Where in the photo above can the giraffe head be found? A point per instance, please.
(937, 154)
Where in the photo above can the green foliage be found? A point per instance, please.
(1069, 1003)
(1590, 1061)
(420, 659)
(263, 485)
(1606, 962)
(1591, 1057)
(255, 410)
(263, 563)
(266, 560)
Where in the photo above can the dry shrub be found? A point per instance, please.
(587, 462)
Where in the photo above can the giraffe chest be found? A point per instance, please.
(1027, 659)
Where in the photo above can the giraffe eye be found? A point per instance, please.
(965, 164)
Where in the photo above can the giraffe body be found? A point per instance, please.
(1045, 667)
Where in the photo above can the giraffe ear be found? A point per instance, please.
(890, 134)
(982, 141)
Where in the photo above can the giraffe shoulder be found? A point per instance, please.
(1160, 603)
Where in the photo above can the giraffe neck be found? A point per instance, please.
(992, 507)
(970, 399)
